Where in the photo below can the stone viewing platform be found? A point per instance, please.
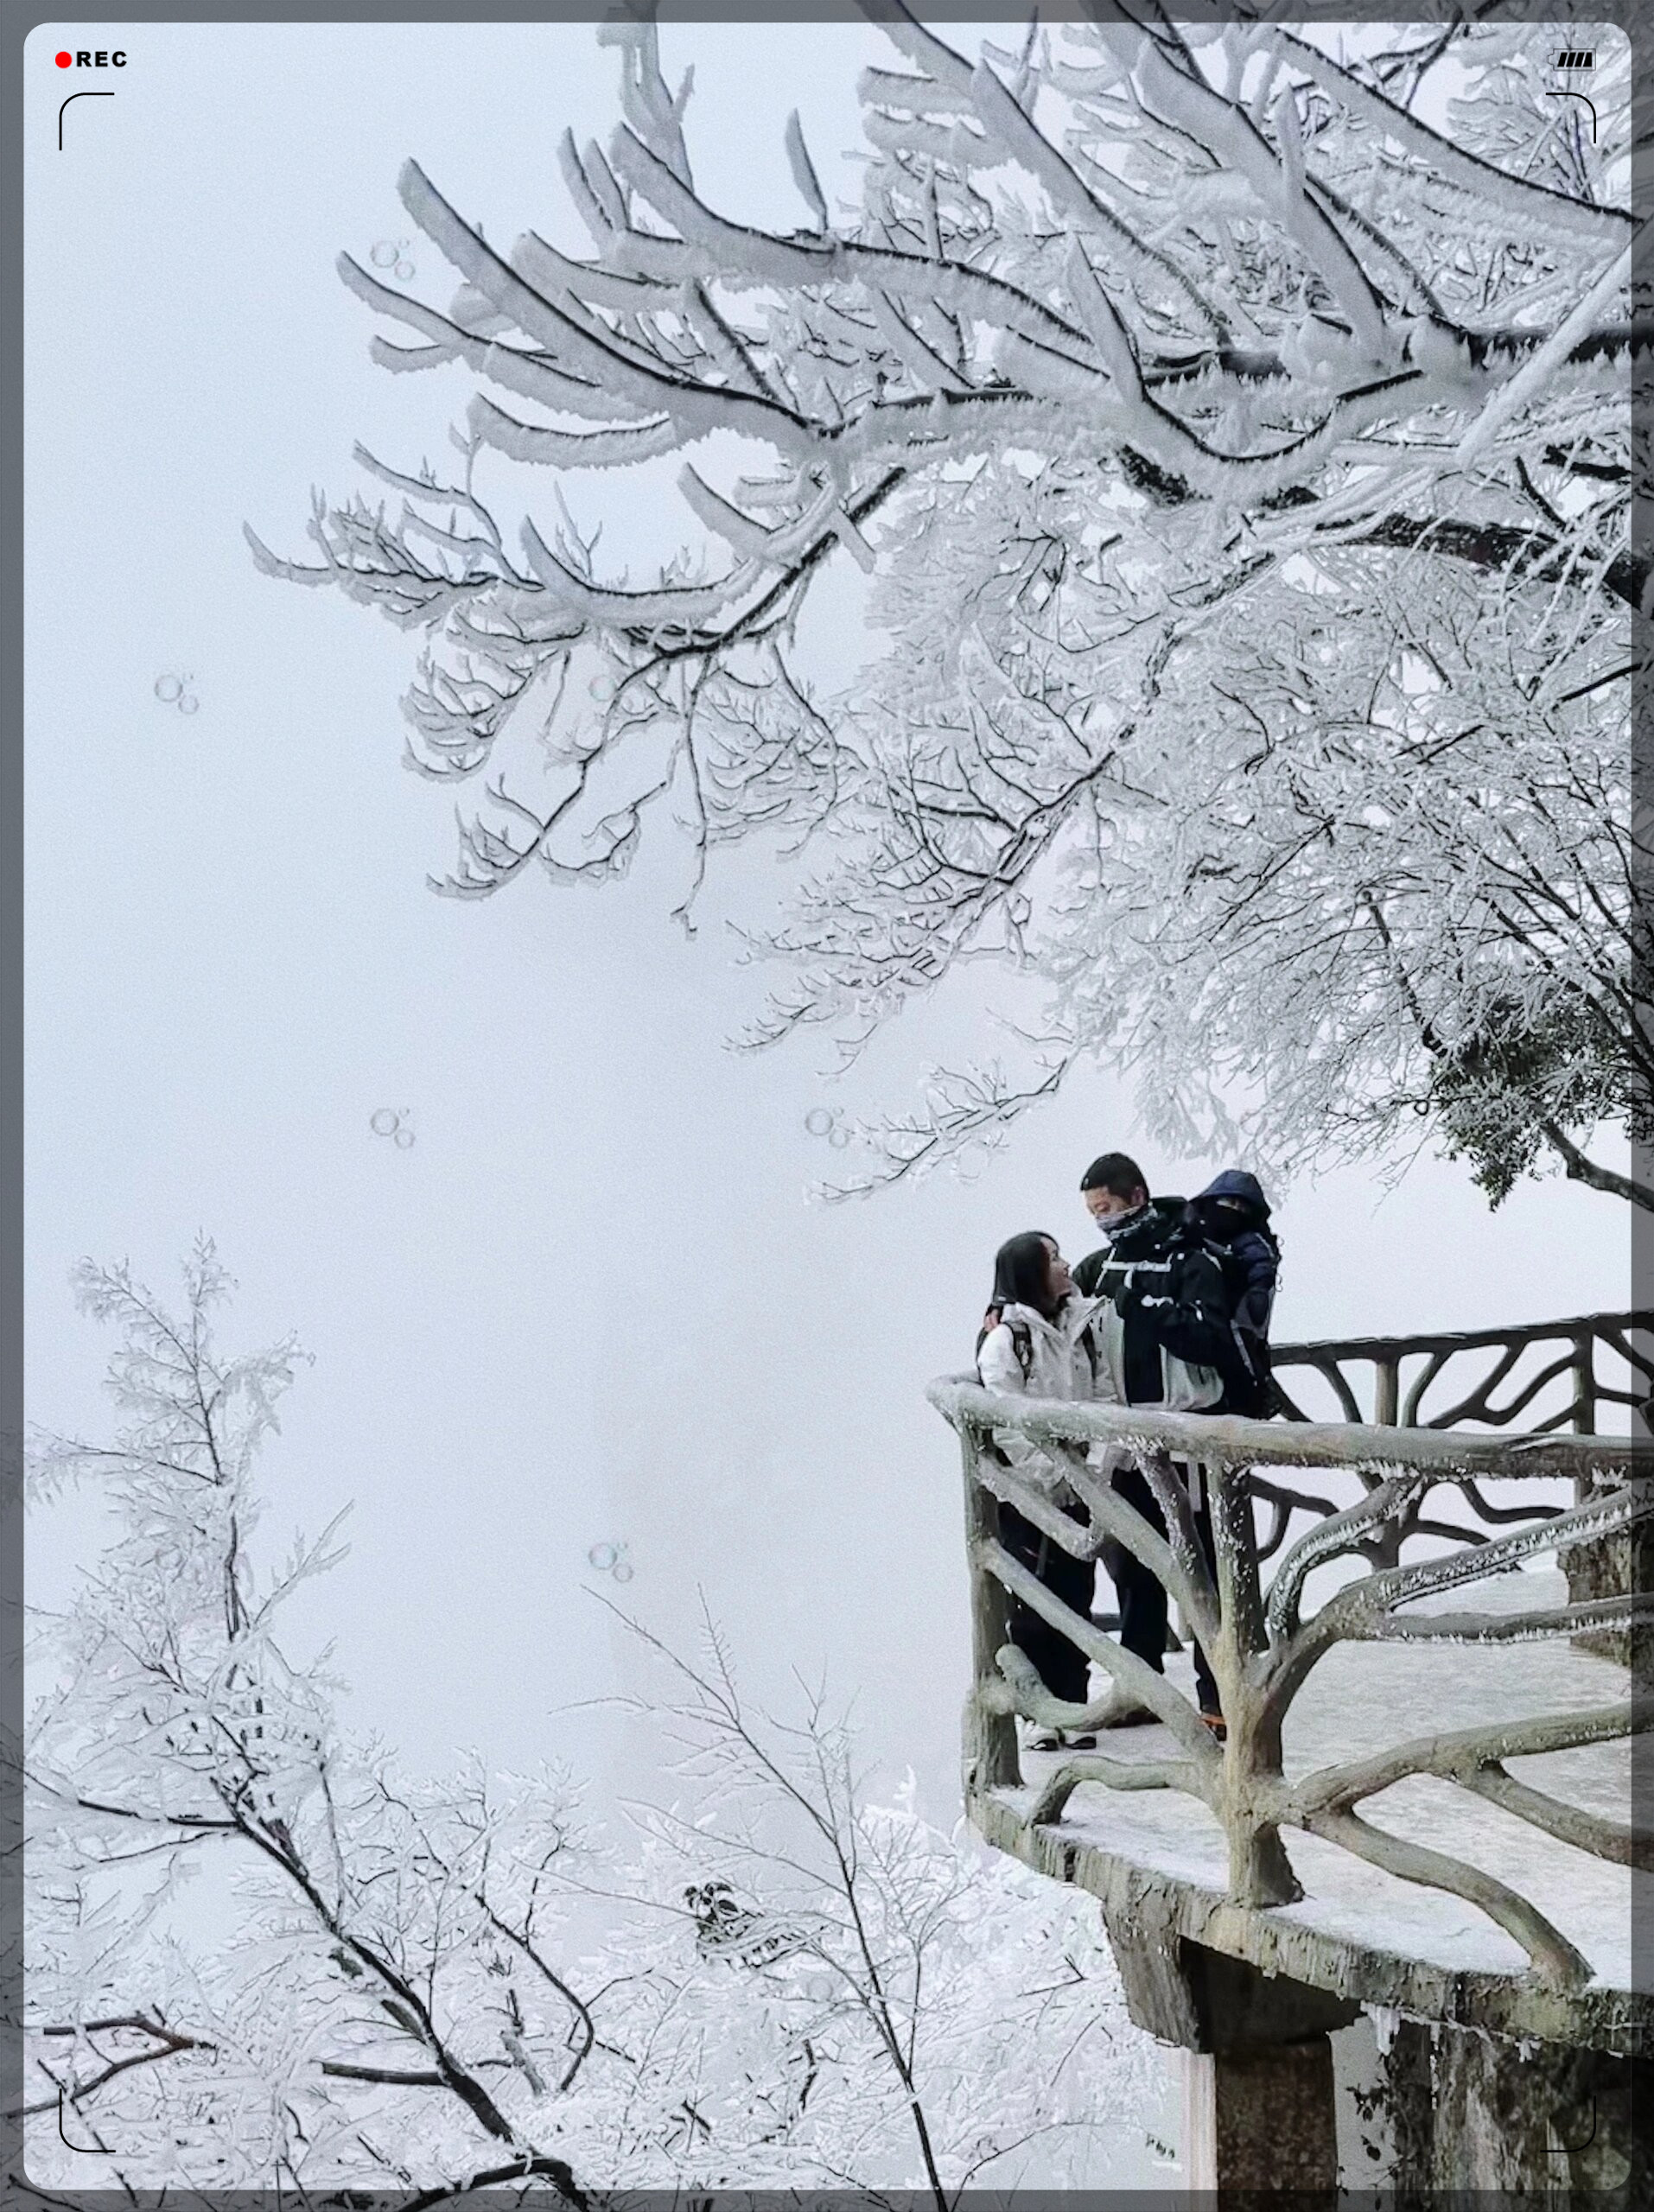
(1161, 1857)
(1423, 1810)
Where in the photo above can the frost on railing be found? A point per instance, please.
(1586, 1375)
(1264, 1640)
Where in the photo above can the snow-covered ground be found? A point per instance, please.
(1364, 1697)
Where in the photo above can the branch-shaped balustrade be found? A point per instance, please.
(1406, 1380)
(1263, 1644)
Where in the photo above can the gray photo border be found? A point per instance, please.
(1635, 17)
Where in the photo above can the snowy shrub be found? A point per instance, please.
(260, 1952)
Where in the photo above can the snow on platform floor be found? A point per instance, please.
(1362, 1698)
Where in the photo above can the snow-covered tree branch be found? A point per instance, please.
(1232, 426)
(799, 1989)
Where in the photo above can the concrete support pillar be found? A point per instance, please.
(1542, 2127)
(1261, 2119)
(1260, 2109)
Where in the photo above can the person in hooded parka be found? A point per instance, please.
(1231, 1217)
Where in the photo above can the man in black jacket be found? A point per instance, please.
(1164, 1339)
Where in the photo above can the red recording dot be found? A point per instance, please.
(66, 61)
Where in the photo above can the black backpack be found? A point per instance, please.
(1250, 1390)
(1249, 1387)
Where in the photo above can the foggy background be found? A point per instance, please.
(592, 1303)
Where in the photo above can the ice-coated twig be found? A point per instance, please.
(1526, 201)
(1127, 337)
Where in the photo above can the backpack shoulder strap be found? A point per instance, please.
(1093, 1342)
(1023, 1345)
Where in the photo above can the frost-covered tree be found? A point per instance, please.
(797, 1989)
(1233, 424)
(868, 2001)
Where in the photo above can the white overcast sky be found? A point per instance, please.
(591, 1303)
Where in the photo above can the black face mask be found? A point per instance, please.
(1226, 1221)
(1121, 1222)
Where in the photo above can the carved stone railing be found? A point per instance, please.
(1264, 1642)
(1555, 1368)
(1555, 1373)
(1569, 1353)
(1401, 1381)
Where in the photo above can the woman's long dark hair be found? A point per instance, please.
(1023, 1272)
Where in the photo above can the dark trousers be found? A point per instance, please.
(1059, 1664)
(1142, 1595)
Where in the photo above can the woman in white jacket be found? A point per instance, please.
(1042, 1347)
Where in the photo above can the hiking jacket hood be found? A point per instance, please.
(1236, 1182)
(1249, 1255)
